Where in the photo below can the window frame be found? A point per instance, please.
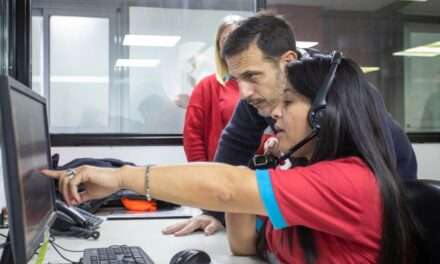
(108, 139)
(115, 92)
(17, 30)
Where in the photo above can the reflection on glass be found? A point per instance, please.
(431, 112)
(124, 68)
(79, 73)
(397, 43)
(154, 92)
(422, 78)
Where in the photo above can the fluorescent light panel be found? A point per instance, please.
(79, 79)
(137, 63)
(414, 54)
(150, 40)
(370, 69)
(306, 44)
(428, 50)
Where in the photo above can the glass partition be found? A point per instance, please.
(397, 43)
(422, 77)
(121, 67)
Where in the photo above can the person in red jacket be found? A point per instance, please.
(211, 104)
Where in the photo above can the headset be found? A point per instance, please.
(317, 109)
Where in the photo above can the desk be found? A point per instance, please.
(147, 234)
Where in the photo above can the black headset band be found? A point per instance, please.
(320, 101)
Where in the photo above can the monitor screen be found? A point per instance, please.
(30, 195)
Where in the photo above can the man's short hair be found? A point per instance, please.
(272, 34)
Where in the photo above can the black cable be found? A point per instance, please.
(52, 240)
(5, 236)
(61, 255)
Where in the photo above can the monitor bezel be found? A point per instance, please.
(10, 163)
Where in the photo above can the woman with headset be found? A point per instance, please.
(344, 203)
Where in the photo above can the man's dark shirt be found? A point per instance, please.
(241, 138)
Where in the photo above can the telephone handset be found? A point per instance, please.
(69, 214)
(73, 221)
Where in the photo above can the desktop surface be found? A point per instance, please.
(147, 235)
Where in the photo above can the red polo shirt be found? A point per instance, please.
(339, 200)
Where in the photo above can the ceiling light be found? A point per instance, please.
(428, 50)
(79, 79)
(415, 54)
(306, 44)
(150, 40)
(137, 63)
(370, 69)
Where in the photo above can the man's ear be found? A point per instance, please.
(288, 56)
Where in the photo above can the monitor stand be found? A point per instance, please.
(7, 257)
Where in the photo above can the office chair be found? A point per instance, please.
(424, 198)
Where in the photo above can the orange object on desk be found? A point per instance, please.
(139, 205)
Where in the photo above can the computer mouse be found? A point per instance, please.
(191, 256)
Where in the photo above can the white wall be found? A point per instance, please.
(428, 159)
(137, 155)
(428, 156)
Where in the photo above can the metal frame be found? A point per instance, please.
(111, 15)
(59, 140)
(4, 15)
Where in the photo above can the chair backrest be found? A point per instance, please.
(424, 198)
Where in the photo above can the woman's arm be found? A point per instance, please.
(212, 186)
(242, 234)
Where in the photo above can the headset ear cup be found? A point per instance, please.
(319, 117)
(315, 118)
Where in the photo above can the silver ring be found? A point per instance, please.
(70, 174)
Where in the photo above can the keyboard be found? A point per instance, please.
(118, 254)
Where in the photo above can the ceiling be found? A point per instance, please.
(355, 5)
(429, 8)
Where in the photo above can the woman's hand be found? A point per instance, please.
(271, 146)
(98, 183)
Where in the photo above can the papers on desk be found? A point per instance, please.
(123, 214)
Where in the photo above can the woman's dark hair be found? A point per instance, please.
(355, 124)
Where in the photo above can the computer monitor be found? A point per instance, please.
(25, 145)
